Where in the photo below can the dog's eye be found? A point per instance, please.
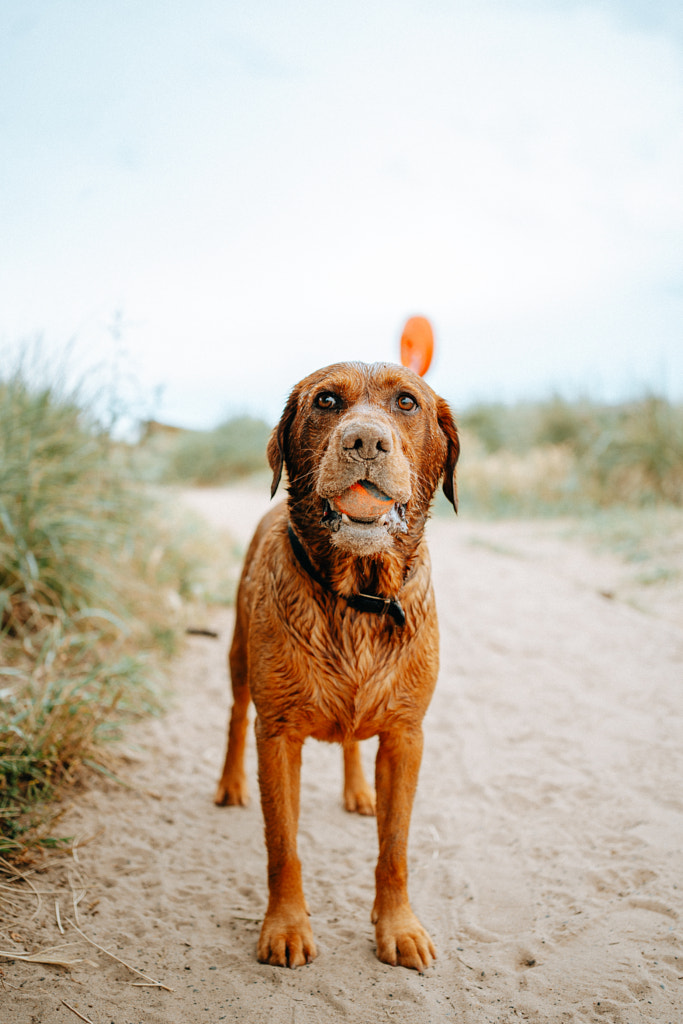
(327, 400)
(406, 402)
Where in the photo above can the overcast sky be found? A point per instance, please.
(224, 195)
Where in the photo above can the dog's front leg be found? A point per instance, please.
(286, 936)
(401, 939)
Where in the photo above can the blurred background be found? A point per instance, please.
(202, 202)
(212, 199)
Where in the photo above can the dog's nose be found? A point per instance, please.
(366, 440)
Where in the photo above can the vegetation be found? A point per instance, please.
(558, 457)
(90, 581)
(93, 576)
(552, 457)
(234, 449)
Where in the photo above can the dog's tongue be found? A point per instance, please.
(363, 500)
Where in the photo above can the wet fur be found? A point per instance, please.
(316, 667)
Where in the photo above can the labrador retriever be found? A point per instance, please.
(336, 634)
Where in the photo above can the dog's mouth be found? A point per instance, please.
(364, 506)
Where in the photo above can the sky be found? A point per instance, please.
(212, 198)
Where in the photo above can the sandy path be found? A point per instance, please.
(546, 848)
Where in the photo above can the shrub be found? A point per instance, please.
(561, 457)
(65, 511)
(90, 578)
(234, 449)
(638, 458)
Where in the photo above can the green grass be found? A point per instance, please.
(233, 450)
(93, 573)
(96, 569)
(556, 457)
(64, 511)
(58, 710)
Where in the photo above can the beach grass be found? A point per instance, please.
(571, 458)
(95, 574)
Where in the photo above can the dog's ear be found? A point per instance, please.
(449, 429)
(277, 442)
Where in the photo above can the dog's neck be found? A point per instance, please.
(348, 574)
(362, 601)
(383, 574)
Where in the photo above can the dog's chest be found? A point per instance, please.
(320, 668)
(354, 680)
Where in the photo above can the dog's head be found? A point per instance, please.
(365, 447)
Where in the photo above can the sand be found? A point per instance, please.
(546, 850)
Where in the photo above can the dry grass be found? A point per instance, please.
(95, 581)
(19, 895)
(565, 458)
(97, 574)
(233, 450)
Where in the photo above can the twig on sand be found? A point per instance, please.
(39, 958)
(10, 902)
(19, 874)
(76, 898)
(145, 977)
(74, 1010)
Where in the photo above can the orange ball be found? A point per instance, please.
(417, 344)
(363, 500)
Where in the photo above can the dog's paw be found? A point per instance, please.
(232, 793)
(286, 942)
(360, 800)
(403, 942)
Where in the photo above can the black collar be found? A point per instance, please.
(361, 602)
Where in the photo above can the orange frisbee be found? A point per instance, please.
(417, 344)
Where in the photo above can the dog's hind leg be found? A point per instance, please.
(359, 796)
(232, 788)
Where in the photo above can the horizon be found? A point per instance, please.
(215, 201)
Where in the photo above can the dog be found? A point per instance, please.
(336, 634)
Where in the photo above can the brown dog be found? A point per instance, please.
(336, 634)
